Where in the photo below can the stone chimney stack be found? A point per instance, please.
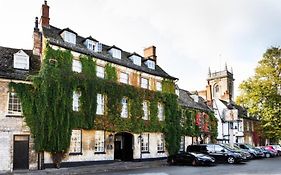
(45, 19)
(150, 53)
(37, 39)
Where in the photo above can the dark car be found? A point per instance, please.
(251, 149)
(217, 151)
(245, 154)
(266, 153)
(191, 158)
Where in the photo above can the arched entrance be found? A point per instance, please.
(123, 146)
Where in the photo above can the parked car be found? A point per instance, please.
(217, 151)
(191, 158)
(278, 148)
(251, 149)
(266, 153)
(245, 154)
(271, 149)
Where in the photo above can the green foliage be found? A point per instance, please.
(110, 72)
(261, 93)
(168, 86)
(47, 104)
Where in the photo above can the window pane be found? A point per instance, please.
(144, 83)
(14, 105)
(76, 66)
(100, 71)
(99, 141)
(75, 142)
(100, 104)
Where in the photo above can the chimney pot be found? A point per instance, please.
(45, 20)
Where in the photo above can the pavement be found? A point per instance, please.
(93, 169)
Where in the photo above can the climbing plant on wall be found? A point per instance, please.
(47, 104)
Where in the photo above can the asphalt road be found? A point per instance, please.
(270, 166)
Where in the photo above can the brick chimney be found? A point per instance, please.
(37, 39)
(45, 20)
(150, 53)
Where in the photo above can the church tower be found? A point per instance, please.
(220, 85)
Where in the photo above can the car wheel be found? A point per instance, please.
(194, 162)
(267, 155)
(230, 160)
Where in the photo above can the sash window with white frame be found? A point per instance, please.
(160, 143)
(100, 104)
(75, 102)
(14, 104)
(99, 142)
(144, 83)
(75, 142)
(160, 112)
(124, 112)
(100, 71)
(145, 109)
(145, 142)
(76, 66)
(124, 78)
(158, 86)
(182, 144)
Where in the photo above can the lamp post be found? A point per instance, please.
(140, 139)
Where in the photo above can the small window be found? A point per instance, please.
(100, 71)
(115, 53)
(21, 60)
(100, 104)
(124, 78)
(124, 112)
(150, 64)
(98, 47)
(160, 143)
(75, 142)
(144, 83)
(69, 37)
(89, 44)
(76, 66)
(99, 142)
(145, 142)
(158, 86)
(136, 60)
(75, 102)
(145, 105)
(160, 112)
(14, 105)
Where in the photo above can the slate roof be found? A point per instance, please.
(53, 35)
(242, 112)
(6, 64)
(187, 101)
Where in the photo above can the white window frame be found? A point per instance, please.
(124, 78)
(14, 106)
(76, 66)
(124, 111)
(145, 143)
(145, 108)
(100, 71)
(76, 101)
(182, 144)
(75, 142)
(98, 47)
(150, 64)
(21, 60)
(136, 60)
(69, 37)
(158, 86)
(144, 83)
(115, 53)
(160, 143)
(99, 142)
(100, 104)
(160, 107)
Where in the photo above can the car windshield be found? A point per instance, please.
(228, 147)
(249, 146)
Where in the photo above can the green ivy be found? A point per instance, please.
(110, 72)
(168, 86)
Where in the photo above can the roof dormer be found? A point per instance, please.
(21, 60)
(115, 52)
(90, 43)
(150, 57)
(68, 35)
(136, 58)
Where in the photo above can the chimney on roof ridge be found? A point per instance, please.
(150, 53)
(45, 20)
(37, 39)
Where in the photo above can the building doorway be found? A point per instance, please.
(123, 146)
(21, 152)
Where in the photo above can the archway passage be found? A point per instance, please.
(123, 146)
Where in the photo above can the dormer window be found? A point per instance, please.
(21, 60)
(98, 47)
(69, 37)
(150, 64)
(89, 44)
(136, 59)
(115, 53)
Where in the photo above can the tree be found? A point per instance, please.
(261, 93)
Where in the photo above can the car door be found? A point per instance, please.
(220, 153)
(210, 151)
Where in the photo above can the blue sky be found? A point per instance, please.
(190, 35)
